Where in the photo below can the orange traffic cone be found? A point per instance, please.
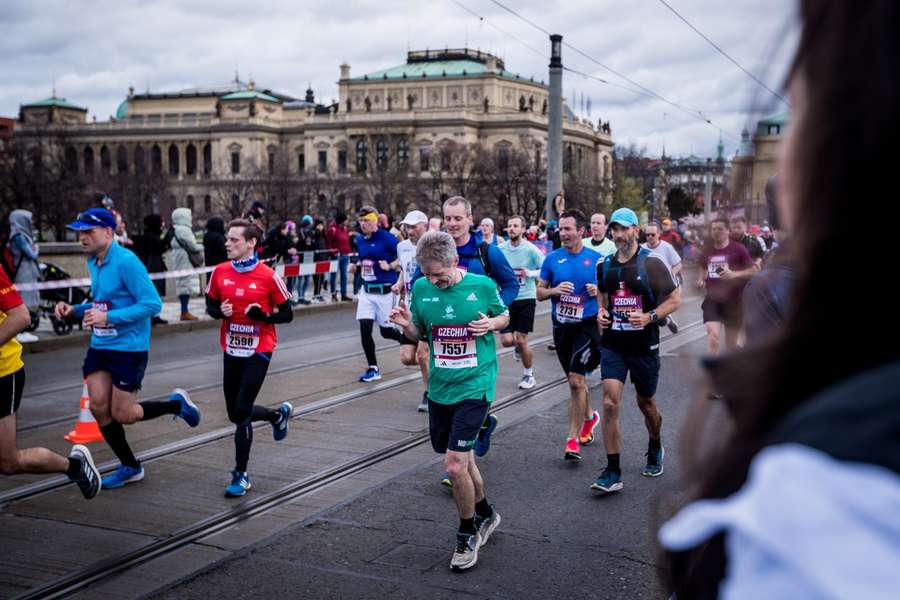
(86, 428)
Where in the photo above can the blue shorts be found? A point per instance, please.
(644, 370)
(125, 368)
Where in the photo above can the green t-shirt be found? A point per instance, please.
(461, 366)
(604, 248)
(524, 256)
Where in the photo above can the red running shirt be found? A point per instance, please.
(241, 336)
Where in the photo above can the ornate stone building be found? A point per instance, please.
(755, 163)
(208, 144)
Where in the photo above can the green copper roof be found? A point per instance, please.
(436, 68)
(122, 111)
(249, 95)
(781, 119)
(54, 101)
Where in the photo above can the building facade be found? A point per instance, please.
(216, 149)
(756, 163)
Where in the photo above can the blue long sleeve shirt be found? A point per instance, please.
(122, 288)
(501, 272)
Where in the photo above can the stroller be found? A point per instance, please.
(49, 298)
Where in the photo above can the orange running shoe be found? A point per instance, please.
(586, 437)
(573, 450)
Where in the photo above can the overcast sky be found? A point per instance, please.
(94, 50)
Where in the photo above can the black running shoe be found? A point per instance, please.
(88, 478)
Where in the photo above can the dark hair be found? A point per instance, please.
(251, 230)
(574, 213)
(846, 64)
(340, 218)
(720, 219)
(739, 219)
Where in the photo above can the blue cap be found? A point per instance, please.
(626, 217)
(93, 217)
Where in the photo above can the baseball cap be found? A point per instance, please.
(626, 217)
(91, 218)
(414, 217)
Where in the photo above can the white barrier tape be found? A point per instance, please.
(313, 268)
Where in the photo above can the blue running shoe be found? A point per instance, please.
(122, 476)
(280, 427)
(608, 482)
(446, 481)
(654, 466)
(483, 442)
(189, 411)
(240, 485)
(371, 374)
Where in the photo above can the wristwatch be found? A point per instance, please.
(653, 317)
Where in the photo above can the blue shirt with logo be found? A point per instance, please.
(578, 269)
(121, 287)
(381, 245)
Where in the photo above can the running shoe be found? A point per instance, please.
(189, 411)
(240, 485)
(609, 481)
(573, 451)
(446, 481)
(483, 442)
(122, 476)
(586, 436)
(654, 466)
(423, 405)
(527, 382)
(487, 526)
(672, 325)
(280, 427)
(88, 478)
(371, 374)
(466, 553)
(551, 347)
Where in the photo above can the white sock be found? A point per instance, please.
(528, 372)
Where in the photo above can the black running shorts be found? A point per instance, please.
(521, 317)
(11, 387)
(577, 345)
(456, 426)
(125, 368)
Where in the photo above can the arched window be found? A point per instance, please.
(207, 204)
(362, 149)
(503, 159)
(174, 169)
(190, 159)
(403, 152)
(567, 160)
(140, 161)
(156, 160)
(578, 168)
(381, 154)
(71, 159)
(122, 159)
(105, 160)
(89, 161)
(190, 202)
(207, 159)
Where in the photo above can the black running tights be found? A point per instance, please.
(368, 343)
(242, 381)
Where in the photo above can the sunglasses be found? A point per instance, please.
(88, 217)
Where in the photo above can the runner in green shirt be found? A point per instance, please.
(457, 313)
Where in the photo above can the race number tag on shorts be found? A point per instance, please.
(454, 347)
(241, 339)
(569, 308)
(623, 304)
(716, 264)
(106, 331)
(368, 270)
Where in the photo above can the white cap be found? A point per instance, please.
(414, 218)
(487, 220)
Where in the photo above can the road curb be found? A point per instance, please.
(80, 338)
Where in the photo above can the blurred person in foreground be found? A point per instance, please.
(801, 498)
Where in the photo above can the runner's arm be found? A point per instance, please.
(214, 308)
(284, 313)
(543, 290)
(147, 303)
(503, 275)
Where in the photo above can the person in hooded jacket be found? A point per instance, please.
(214, 242)
(151, 246)
(182, 243)
(25, 262)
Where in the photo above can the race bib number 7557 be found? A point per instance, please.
(454, 347)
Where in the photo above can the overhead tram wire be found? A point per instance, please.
(725, 54)
(697, 114)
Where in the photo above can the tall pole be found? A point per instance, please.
(554, 127)
(707, 194)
